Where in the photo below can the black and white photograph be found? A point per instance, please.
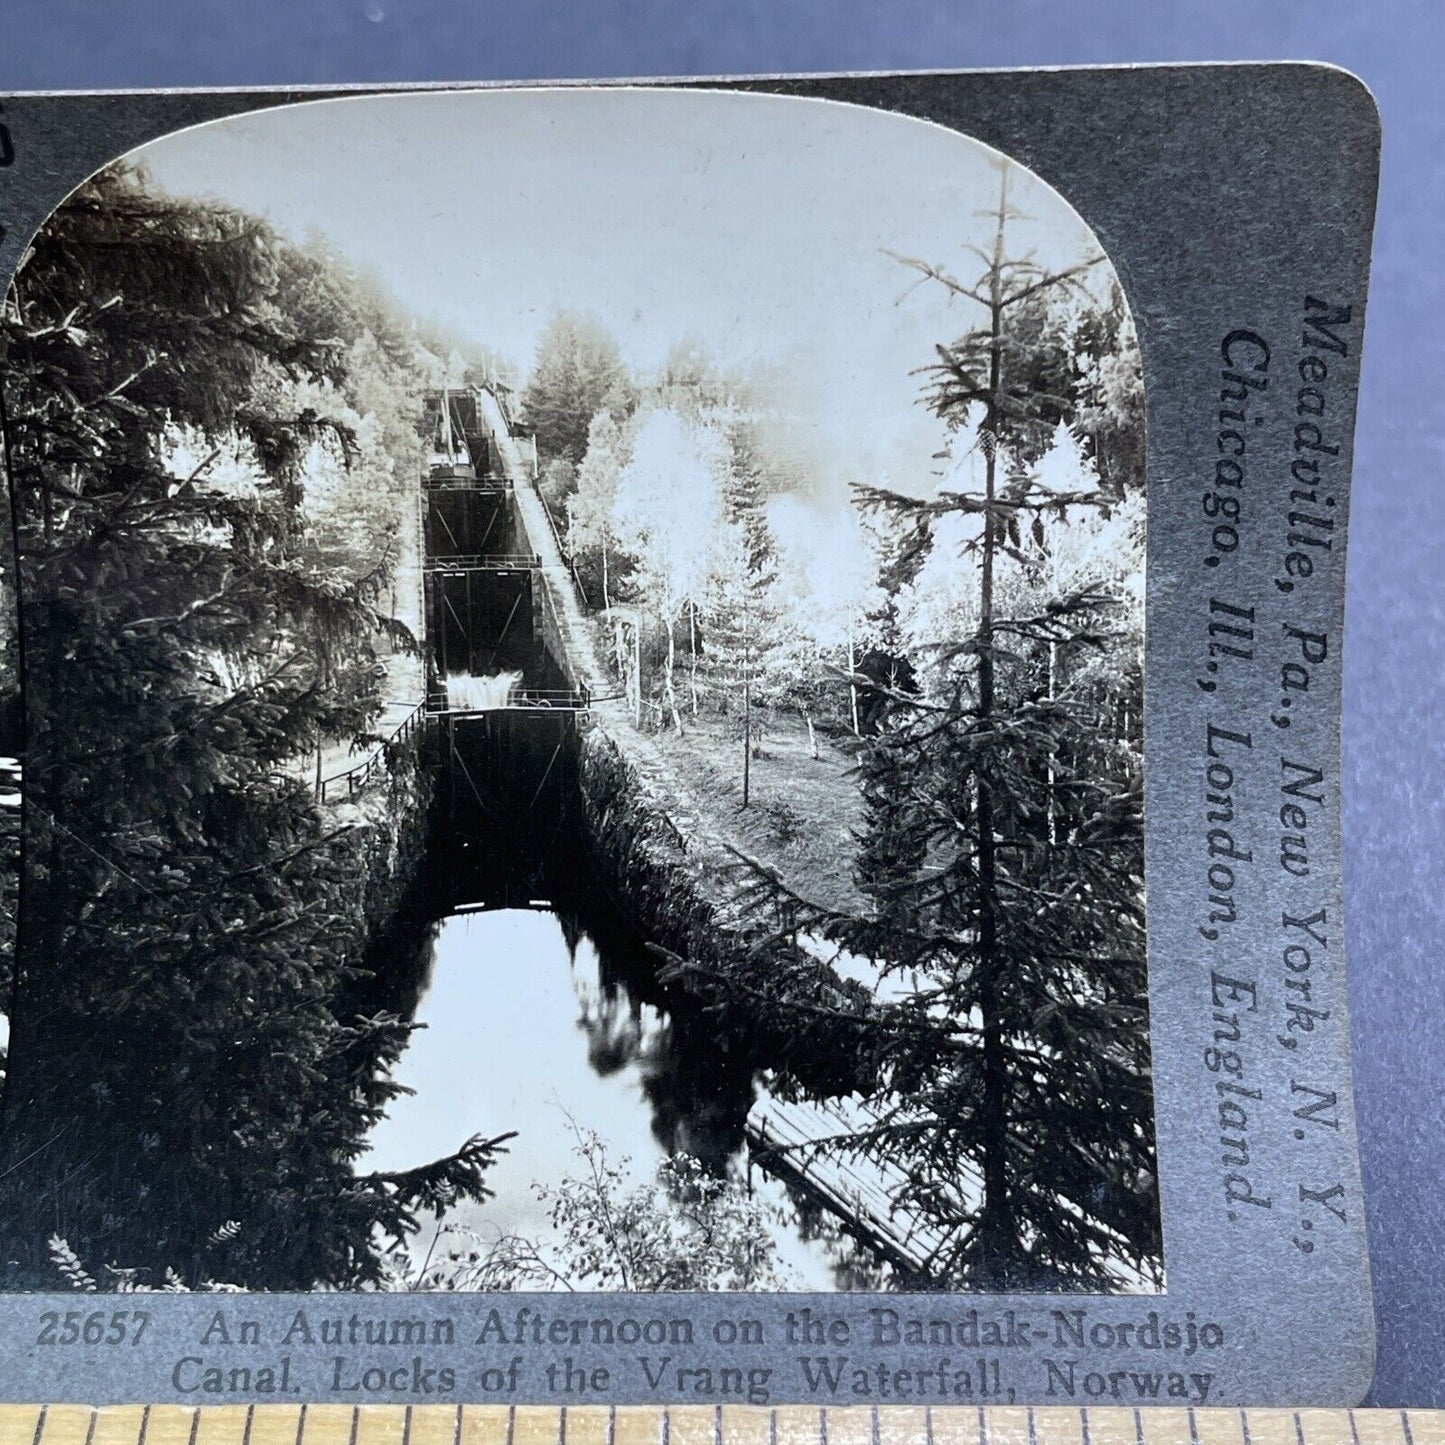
(583, 684)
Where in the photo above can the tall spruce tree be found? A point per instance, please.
(578, 372)
(1026, 916)
(1002, 846)
(184, 1055)
(740, 617)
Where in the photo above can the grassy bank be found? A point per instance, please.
(802, 811)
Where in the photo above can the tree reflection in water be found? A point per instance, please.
(698, 1089)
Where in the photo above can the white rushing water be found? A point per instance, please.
(9, 782)
(467, 691)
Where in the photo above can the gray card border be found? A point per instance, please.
(1226, 197)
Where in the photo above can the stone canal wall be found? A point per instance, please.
(679, 886)
(383, 837)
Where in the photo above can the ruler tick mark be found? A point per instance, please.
(882, 1429)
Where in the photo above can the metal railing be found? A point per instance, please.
(357, 777)
(518, 699)
(494, 484)
(563, 552)
(484, 562)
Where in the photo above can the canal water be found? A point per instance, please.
(536, 1022)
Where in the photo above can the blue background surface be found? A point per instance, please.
(1395, 650)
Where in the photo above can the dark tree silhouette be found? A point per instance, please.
(182, 1051)
(1002, 848)
(1024, 909)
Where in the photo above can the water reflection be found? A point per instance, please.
(530, 1026)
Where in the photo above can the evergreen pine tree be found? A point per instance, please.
(1002, 848)
(740, 618)
(183, 1052)
(578, 372)
(1027, 916)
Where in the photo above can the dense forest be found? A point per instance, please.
(202, 607)
(976, 641)
(213, 438)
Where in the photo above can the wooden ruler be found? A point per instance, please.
(704, 1425)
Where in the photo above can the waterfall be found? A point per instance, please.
(465, 691)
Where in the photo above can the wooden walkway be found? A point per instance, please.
(558, 596)
(460, 562)
(802, 1144)
(513, 699)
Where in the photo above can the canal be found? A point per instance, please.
(540, 1008)
(541, 1015)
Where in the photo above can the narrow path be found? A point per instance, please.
(402, 690)
(704, 818)
(404, 686)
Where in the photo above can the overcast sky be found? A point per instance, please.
(753, 224)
